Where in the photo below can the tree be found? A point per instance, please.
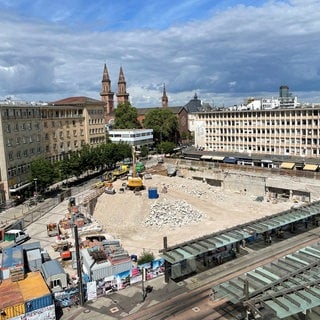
(43, 172)
(126, 117)
(164, 124)
(165, 147)
(144, 151)
(146, 256)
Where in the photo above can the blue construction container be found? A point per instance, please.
(153, 193)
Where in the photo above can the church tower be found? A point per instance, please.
(164, 97)
(122, 95)
(106, 93)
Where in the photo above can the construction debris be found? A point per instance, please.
(173, 213)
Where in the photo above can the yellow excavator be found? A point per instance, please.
(134, 181)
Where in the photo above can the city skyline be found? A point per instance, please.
(224, 51)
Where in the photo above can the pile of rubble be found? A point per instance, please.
(197, 189)
(172, 213)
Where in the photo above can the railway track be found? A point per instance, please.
(195, 303)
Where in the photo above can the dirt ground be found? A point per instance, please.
(123, 214)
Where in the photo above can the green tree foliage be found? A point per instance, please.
(164, 124)
(89, 158)
(126, 117)
(144, 151)
(43, 171)
(165, 147)
(146, 256)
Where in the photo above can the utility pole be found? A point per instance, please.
(79, 267)
(142, 284)
(166, 263)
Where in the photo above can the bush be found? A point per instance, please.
(146, 257)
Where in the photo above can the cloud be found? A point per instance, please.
(224, 53)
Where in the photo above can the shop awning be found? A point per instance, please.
(205, 157)
(217, 158)
(20, 187)
(287, 165)
(310, 167)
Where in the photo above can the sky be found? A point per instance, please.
(222, 50)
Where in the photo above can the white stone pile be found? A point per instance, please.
(173, 214)
(197, 189)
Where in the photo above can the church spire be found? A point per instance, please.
(106, 93)
(122, 95)
(164, 97)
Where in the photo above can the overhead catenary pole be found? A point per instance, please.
(79, 267)
(166, 263)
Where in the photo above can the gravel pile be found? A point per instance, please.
(197, 189)
(172, 213)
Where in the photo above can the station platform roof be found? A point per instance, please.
(192, 248)
(282, 288)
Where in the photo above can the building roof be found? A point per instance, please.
(12, 256)
(282, 288)
(72, 101)
(194, 105)
(33, 286)
(10, 294)
(52, 267)
(220, 239)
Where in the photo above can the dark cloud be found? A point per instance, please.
(234, 53)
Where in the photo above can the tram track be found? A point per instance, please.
(198, 288)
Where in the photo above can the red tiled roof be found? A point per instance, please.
(76, 101)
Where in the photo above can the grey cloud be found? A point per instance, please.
(240, 52)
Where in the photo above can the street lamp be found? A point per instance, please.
(36, 185)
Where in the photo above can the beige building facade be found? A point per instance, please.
(29, 131)
(20, 144)
(285, 131)
(71, 123)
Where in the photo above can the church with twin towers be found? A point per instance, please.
(107, 95)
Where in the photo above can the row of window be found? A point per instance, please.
(22, 140)
(278, 131)
(26, 153)
(22, 126)
(18, 170)
(62, 135)
(265, 140)
(294, 122)
(62, 113)
(96, 121)
(291, 113)
(20, 113)
(60, 124)
(97, 131)
(95, 111)
(130, 135)
(65, 146)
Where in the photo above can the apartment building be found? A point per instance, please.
(70, 123)
(29, 131)
(283, 131)
(20, 144)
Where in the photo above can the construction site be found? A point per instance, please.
(195, 202)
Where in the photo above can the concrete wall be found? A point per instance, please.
(251, 183)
